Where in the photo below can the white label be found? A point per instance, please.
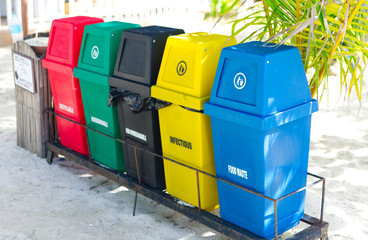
(95, 52)
(66, 108)
(136, 134)
(99, 121)
(23, 72)
(237, 171)
(240, 80)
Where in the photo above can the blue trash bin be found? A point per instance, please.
(260, 109)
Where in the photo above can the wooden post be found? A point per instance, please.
(33, 125)
(24, 18)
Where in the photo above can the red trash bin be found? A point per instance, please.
(61, 57)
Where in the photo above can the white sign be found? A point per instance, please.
(23, 72)
(66, 108)
(95, 52)
(136, 134)
(237, 171)
(240, 80)
(99, 121)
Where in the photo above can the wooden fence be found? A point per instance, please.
(42, 12)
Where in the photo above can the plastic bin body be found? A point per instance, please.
(136, 69)
(185, 79)
(61, 57)
(96, 63)
(261, 134)
(141, 130)
(186, 138)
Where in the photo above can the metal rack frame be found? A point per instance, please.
(317, 230)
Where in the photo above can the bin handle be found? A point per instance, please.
(199, 34)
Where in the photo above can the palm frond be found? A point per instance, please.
(323, 30)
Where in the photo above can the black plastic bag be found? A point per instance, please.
(136, 102)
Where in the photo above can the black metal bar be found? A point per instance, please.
(199, 194)
(275, 211)
(192, 168)
(139, 180)
(301, 189)
(206, 218)
(317, 229)
(50, 111)
(49, 157)
(117, 176)
(137, 164)
(135, 202)
(310, 220)
(316, 176)
(166, 158)
(323, 199)
(311, 233)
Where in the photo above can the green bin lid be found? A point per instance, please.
(100, 46)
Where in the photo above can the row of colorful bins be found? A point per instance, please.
(260, 108)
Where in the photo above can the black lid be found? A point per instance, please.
(140, 53)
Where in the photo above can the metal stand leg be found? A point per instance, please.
(317, 229)
(139, 180)
(135, 202)
(50, 157)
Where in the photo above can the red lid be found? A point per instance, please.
(65, 39)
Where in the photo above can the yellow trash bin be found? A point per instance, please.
(185, 79)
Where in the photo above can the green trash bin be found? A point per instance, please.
(97, 58)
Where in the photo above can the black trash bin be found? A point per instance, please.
(136, 70)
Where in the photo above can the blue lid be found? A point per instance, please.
(260, 80)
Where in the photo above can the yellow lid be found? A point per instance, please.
(188, 68)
